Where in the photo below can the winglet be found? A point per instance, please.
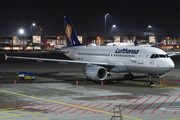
(6, 56)
(154, 44)
(172, 54)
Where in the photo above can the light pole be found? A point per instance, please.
(21, 31)
(149, 27)
(113, 27)
(33, 24)
(105, 26)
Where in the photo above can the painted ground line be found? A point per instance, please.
(160, 104)
(107, 96)
(106, 106)
(41, 117)
(86, 106)
(175, 112)
(140, 105)
(66, 110)
(114, 107)
(126, 107)
(67, 104)
(11, 110)
(97, 105)
(163, 112)
(6, 108)
(28, 105)
(36, 105)
(44, 106)
(19, 104)
(138, 99)
(77, 109)
(122, 98)
(8, 104)
(13, 115)
(52, 107)
(176, 83)
(59, 108)
(175, 100)
(114, 97)
(150, 105)
(169, 83)
(130, 98)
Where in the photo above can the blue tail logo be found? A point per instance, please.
(71, 37)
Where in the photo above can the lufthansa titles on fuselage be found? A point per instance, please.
(127, 51)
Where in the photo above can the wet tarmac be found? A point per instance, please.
(55, 94)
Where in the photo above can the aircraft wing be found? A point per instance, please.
(172, 54)
(56, 60)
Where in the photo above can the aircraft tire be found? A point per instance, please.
(127, 77)
(131, 76)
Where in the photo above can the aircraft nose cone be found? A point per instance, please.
(171, 65)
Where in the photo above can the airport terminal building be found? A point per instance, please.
(165, 41)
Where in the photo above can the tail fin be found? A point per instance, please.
(71, 37)
(135, 40)
(154, 44)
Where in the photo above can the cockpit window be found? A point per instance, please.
(159, 56)
(167, 56)
(162, 56)
(156, 56)
(152, 56)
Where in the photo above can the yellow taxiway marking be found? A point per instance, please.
(11, 110)
(13, 115)
(6, 108)
(173, 119)
(41, 118)
(168, 88)
(67, 104)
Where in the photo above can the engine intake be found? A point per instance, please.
(161, 75)
(95, 72)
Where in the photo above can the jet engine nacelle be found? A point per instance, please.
(95, 72)
(161, 75)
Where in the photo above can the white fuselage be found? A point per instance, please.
(124, 59)
(120, 44)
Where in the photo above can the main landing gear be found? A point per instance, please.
(128, 76)
(150, 82)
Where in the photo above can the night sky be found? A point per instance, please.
(87, 16)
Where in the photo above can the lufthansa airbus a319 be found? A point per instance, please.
(97, 61)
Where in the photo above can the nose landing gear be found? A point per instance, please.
(150, 82)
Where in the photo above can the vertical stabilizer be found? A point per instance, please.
(135, 40)
(154, 44)
(71, 37)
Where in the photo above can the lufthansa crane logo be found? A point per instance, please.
(68, 31)
(151, 62)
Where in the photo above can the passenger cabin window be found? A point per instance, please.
(159, 56)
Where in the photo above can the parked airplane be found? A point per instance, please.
(97, 61)
(58, 47)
